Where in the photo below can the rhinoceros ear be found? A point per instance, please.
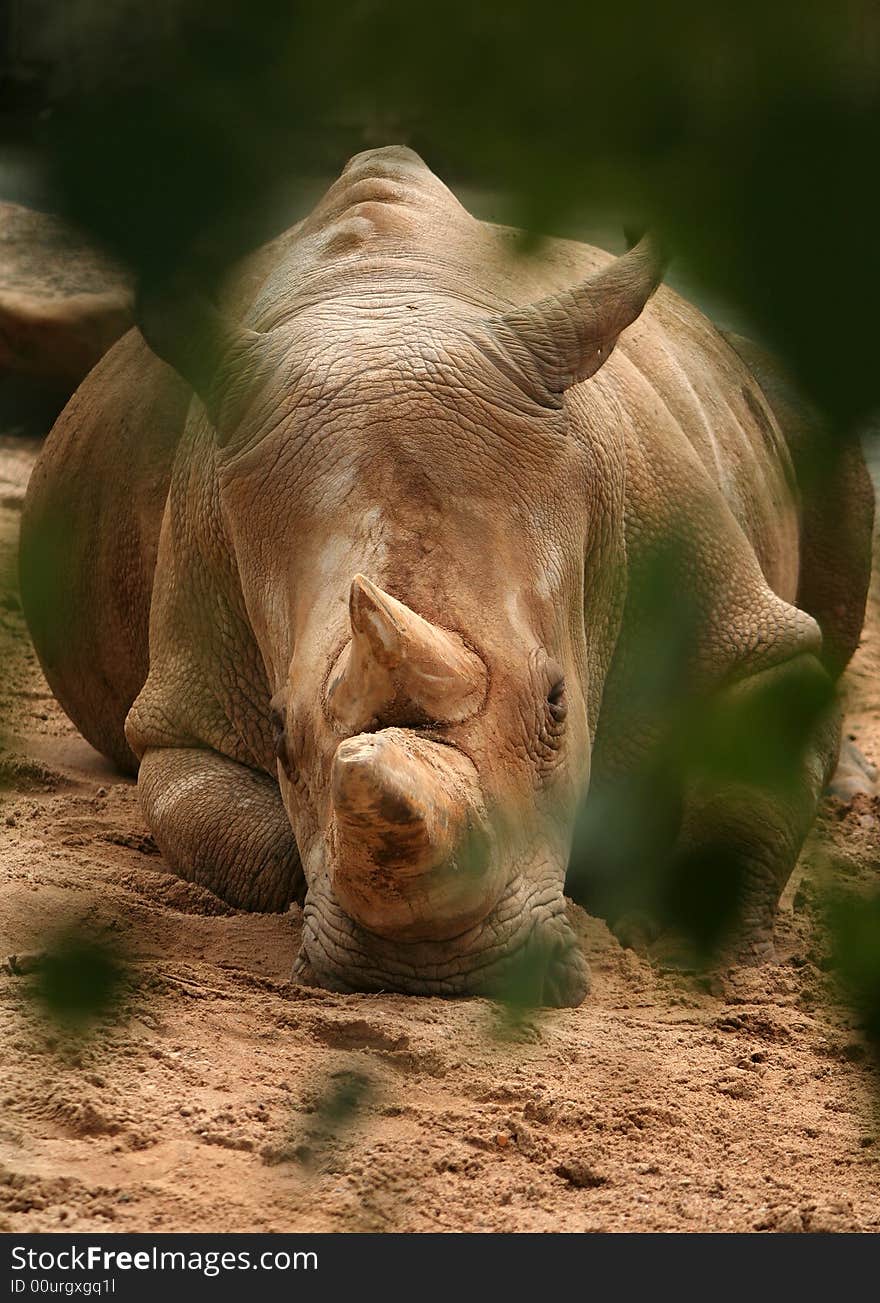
(566, 337)
(216, 356)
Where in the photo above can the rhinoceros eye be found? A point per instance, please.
(556, 702)
(278, 722)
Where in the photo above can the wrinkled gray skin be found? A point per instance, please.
(396, 407)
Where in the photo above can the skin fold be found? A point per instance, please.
(362, 607)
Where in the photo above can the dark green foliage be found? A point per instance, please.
(521, 988)
(339, 1105)
(855, 928)
(752, 742)
(79, 981)
(747, 135)
(344, 1097)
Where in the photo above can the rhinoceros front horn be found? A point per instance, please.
(400, 669)
(410, 846)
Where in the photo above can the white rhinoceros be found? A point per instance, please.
(382, 563)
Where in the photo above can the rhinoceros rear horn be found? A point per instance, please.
(400, 669)
(566, 337)
(216, 356)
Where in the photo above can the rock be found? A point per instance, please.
(789, 1222)
(22, 965)
(738, 1085)
(581, 1174)
(62, 304)
(832, 1217)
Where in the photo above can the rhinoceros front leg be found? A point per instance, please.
(222, 825)
(754, 825)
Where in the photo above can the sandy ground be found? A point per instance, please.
(665, 1103)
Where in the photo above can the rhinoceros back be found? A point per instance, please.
(90, 533)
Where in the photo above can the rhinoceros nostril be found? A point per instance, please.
(556, 702)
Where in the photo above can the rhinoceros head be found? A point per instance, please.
(427, 551)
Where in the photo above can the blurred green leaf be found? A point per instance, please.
(343, 1098)
(855, 929)
(339, 1103)
(519, 992)
(79, 981)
